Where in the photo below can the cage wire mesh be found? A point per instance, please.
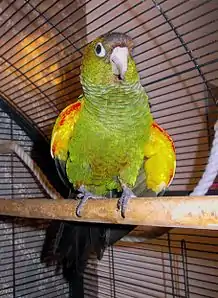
(21, 274)
(180, 264)
(42, 42)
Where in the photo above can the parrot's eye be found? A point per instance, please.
(100, 50)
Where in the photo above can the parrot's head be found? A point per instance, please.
(108, 61)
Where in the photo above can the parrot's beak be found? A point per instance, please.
(119, 61)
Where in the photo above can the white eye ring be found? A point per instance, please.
(100, 50)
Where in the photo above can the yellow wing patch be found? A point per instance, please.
(63, 130)
(160, 165)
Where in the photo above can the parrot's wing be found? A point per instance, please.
(157, 171)
(61, 135)
(159, 167)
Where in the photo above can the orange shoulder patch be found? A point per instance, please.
(164, 132)
(69, 111)
(63, 130)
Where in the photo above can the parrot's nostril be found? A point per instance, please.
(118, 77)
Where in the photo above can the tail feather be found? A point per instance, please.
(69, 245)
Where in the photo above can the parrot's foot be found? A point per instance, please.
(84, 195)
(124, 199)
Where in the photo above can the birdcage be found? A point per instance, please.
(175, 49)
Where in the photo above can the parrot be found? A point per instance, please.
(106, 144)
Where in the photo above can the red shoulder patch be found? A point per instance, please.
(155, 125)
(71, 108)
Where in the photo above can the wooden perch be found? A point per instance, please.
(187, 212)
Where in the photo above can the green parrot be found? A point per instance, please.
(107, 144)
(100, 142)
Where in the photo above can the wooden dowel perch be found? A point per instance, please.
(189, 212)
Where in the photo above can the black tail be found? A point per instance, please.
(69, 245)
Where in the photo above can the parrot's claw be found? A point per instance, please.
(124, 199)
(84, 195)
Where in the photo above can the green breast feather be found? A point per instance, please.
(109, 138)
